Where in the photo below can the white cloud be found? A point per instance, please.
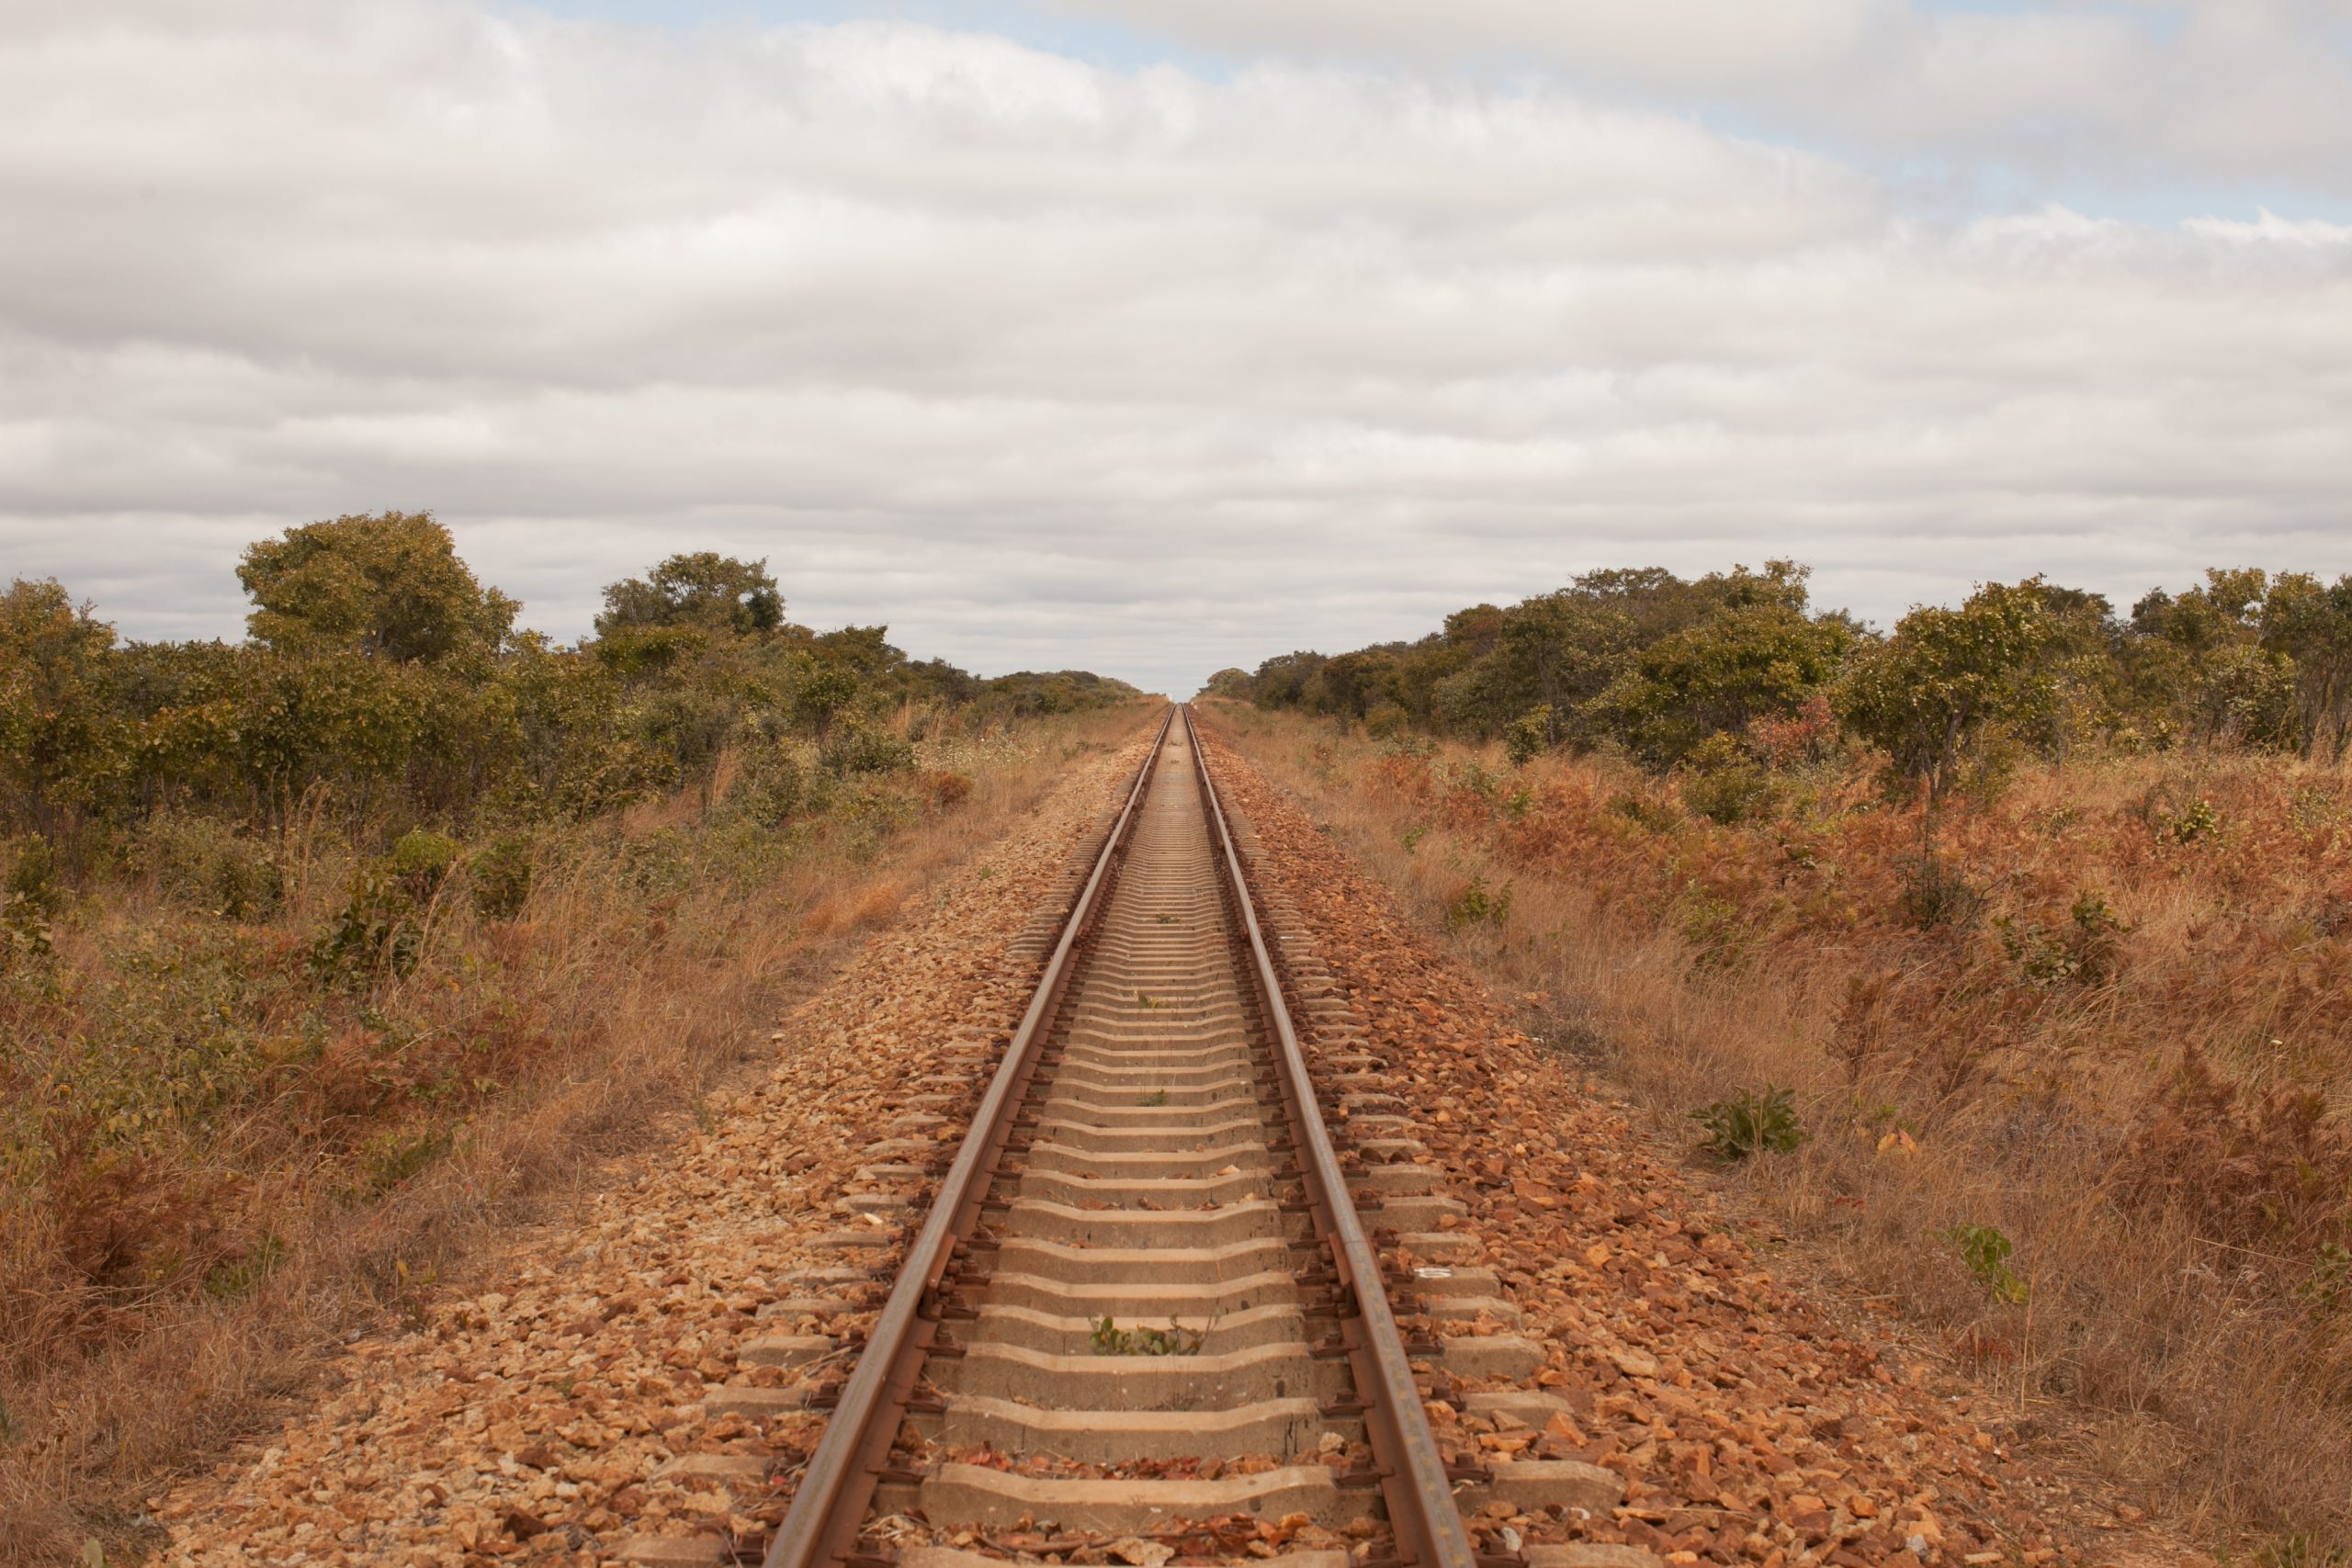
(2208, 89)
(2268, 228)
(1051, 364)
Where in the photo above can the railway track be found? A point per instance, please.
(1146, 1304)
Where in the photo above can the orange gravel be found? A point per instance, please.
(528, 1422)
(1747, 1426)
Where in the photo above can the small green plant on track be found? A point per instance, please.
(1146, 999)
(1156, 1097)
(1110, 1339)
(1986, 1252)
(1748, 1122)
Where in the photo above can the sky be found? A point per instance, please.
(1152, 336)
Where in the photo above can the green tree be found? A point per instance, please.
(2311, 623)
(2085, 657)
(1561, 651)
(1290, 681)
(388, 587)
(2199, 665)
(1758, 661)
(65, 747)
(703, 590)
(1355, 683)
(1949, 682)
(1556, 652)
(821, 697)
(1228, 684)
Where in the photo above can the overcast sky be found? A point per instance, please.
(1156, 335)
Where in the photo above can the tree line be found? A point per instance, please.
(1738, 670)
(379, 678)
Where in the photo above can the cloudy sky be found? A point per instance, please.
(1154, 336)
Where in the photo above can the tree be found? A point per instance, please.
(2085, 656)
(1948, 681)
(1759, 660)
(2200, 663)
(1354, 682)
(63, 745)
(703, 590)
(1556, 651)
(1290, 681)
(388, 586)
(1228, 683)
(2311, 623)
(822, 693)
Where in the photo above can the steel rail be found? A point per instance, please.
(1420, 1493)
(829, 1506)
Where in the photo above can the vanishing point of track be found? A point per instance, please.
(1144, 1266)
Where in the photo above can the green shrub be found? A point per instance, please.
(1385, 722)
(1530, 734)
(30, 901)
(1471, 778)
(211, 866)
(421, 862)
(1986, 1252)
(2197, 822)
(1711, 924)
(1750, 1123)
(1722, 782)
(180, 1023)
(393, 1157)
(500, 875)
(1477, 905)
(770, 788)
(2083, 951)
(383, 920)
(857, 749)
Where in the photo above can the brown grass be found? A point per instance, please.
(2152, 1114)
(611, 1007)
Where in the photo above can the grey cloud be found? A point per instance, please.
(1049, 365)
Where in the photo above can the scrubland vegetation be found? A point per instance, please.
(2005, 956)
(324, 951)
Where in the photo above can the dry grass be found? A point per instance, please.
(2147, 1105)
(527, 1054)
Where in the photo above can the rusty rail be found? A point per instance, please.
(1416, 1487)
(829, 1504)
